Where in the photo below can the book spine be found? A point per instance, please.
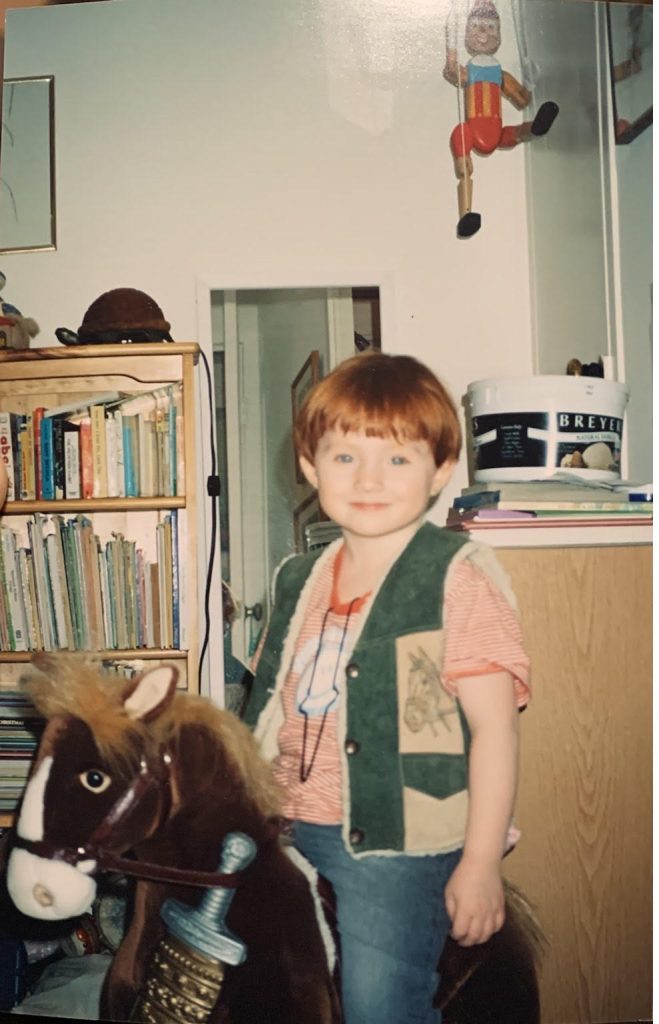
(59, 470)
(73, 583)
(15, 591)
(44, 599)
(17, 421)
(32, 587)
(28, 491)
(7, 453)
(47, 460)
(131, 461)
(24, 579)
(6, 624)
(179, 439)
(176, 622)
(63, 581)
(58, 598)
(86, 458)
(119, 442)
(71, 460)
(37, 419)
(99, 451)
(111, 457)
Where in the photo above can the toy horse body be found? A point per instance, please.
(165, 776)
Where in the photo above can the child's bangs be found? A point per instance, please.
(402, 425)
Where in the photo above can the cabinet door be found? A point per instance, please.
(585, 797)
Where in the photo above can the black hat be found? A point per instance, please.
(124, 314)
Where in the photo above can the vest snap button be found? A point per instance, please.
(352, 747)
(352, 670)
(356, 836)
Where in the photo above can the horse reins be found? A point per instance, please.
(141, 786)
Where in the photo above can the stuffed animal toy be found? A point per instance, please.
(15, 329)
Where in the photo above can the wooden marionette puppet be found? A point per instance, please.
(483, 81)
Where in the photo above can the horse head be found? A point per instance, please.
(99, 782)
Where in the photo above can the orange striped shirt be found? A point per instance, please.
(482, 635)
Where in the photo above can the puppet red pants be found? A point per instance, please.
(484, 134)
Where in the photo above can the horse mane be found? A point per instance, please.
(74, 685)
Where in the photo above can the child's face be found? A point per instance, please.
(374, 486)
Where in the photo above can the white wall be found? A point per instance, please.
(306, 143)
(257, 144)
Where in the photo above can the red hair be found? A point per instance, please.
(383, 396)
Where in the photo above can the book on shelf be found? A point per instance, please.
(7, 452)
(45, 607)
(115, 556)
(99, 451)
(86, 458)
(13, 590)
(53, 534)
(17, 421)
(24, 570)
(71, 460)
(88, 546)
(47, 448)
(37, 417)
(59, 458)
(117, 417)
(26, 446)
(131, 454)
(73, 583)
(61, 589)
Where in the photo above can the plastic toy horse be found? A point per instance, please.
(139, 767)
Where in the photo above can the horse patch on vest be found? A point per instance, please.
(428, 719)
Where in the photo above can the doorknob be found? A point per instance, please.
(254, 611)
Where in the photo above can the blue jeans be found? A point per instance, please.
(392, 925)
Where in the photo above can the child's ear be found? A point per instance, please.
(309, 471)
(442, 476)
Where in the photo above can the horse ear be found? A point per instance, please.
(152, 693)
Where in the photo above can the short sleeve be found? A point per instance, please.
(482, 632)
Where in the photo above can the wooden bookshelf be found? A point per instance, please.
(52, 377)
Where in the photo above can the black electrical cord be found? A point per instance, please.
(213, 491)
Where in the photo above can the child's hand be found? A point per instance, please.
(475, 902)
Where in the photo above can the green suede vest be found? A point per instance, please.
(405, 740)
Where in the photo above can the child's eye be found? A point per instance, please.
(343, 457)
(399, 460)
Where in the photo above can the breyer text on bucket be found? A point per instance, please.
(579, 421)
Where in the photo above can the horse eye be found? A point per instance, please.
(95, 780)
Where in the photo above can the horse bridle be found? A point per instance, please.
(142, 785)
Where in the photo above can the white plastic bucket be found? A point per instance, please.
(527, 428)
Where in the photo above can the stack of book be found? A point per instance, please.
(61, 589)
(20, 731)
(551, 502)
(109, 446)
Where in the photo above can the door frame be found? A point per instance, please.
(213, 280)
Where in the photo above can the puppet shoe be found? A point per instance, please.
(545, 118)
(469, 224)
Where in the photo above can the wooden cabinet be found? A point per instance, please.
(52, 377)
(585, 797)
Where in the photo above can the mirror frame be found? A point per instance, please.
(52, 243)
(644, 118)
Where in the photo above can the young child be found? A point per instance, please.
(387, 690)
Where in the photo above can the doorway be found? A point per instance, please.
(268, 346)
